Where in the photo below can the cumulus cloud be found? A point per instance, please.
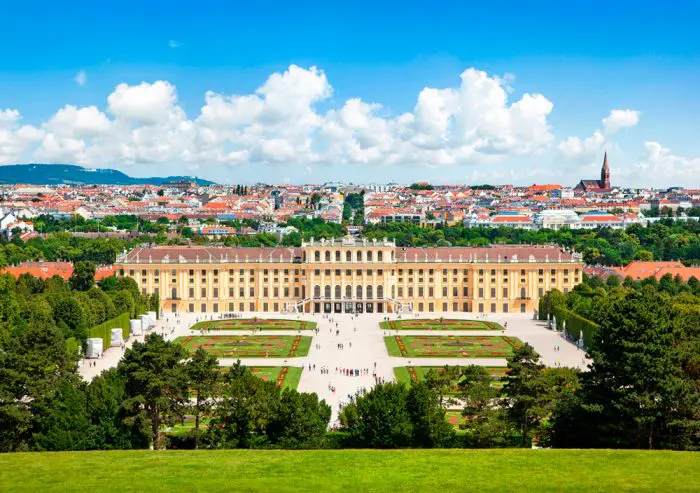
(666, 168)
(14, 137)
(281, 122)
(174, 44)
(80, 78)
(580, 151)
(618, 119)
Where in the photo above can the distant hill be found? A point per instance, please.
(69, 174)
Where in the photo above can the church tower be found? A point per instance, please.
(605, 174)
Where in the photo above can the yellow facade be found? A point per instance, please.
(331, 276)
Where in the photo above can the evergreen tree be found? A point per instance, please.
(156, 384)
(202, 376)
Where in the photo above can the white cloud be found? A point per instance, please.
(618, 119)
(578, 151)
(582, 151)
(666, 169)
(281, 122)
(80, 78)
(145, 103)
(174, 44)
(15, 138)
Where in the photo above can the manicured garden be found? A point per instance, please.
(351, 470)
(439, 324)
(452, 346)
(408, 374)
(249, 346)
(254, 324)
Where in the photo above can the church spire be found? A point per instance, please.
(605, 173)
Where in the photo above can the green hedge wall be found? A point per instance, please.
(104, 330)
(575, 324)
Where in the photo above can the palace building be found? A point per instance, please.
(351, 276)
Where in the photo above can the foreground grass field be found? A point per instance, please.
(254, 324)
(352, 470)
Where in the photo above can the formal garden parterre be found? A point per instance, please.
(249, 346)
(439, 324)
(254, 324)
(409, 374)
(452, 346)
(286, 377)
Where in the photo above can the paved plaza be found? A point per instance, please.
(363, 347)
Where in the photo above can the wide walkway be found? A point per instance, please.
(363, 348)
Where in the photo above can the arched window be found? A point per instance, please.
(359, 255)
(317, 256)
(369, 256)
(317, 291)
(380, 256)
(392, 255)
(327, 292)
(369, 292)
(337, 292)
(328, 256)
(380, 292)
(348, 291)
(348, 256)
(358, 290)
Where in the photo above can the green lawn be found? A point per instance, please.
(352, 470)
(403, 374)
(249, 346)
(439, 324)
(254, 323)
(451, 346)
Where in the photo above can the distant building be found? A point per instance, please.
(602, 185)
(555, 218)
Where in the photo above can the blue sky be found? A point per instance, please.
(356, 117)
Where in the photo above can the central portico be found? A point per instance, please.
(349, 276)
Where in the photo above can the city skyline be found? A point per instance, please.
(497, 101)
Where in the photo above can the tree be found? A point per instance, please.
(83, 276)
(155, 383)
(637, 393)
(244, 411)
(300, 420)
(379, 419)
(443, 381)
(523, 387)
(202, 376)
(429, 423)
(485, 423)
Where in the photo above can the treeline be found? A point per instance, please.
(71, 307)
(64, 247)
(45, 405)
(643, 388)
(664, 240)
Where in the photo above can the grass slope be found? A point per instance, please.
(352, 470)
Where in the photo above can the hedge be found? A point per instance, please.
(575, 325)
(104, 330)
